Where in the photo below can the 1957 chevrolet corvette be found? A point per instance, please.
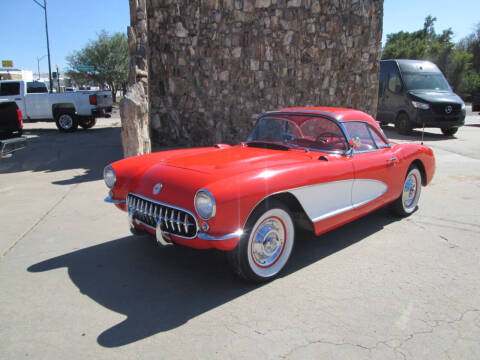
(311, 167)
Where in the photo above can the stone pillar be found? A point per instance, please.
(134, 109)
(216, 64)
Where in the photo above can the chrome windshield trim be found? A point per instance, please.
(110, 200)
(233, 235)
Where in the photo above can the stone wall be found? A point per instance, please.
(216, 64)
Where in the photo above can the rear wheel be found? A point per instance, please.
(66, 121)
(403, 125)
(87, 122)
(449, 131)
(407, 202)
(266, 245)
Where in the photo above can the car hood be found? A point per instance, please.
(435, 96)
(232, 160)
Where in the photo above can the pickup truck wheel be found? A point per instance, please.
(403, 125)
(266, 244)
(66, 121)
(449, 131)
(87, 123)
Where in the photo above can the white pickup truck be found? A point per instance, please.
(69, 109)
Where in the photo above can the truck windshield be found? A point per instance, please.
(425, 81)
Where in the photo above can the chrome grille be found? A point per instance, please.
(172, 220)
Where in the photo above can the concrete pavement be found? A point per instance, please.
(75, 284)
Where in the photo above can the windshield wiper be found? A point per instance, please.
(268, 145)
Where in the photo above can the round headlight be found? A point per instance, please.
(205, 204)
(109, 177)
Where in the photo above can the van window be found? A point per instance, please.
(36, 87)
(394, 83)
(9, 88)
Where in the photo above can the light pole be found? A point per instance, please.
(44, 7)
(38, 65)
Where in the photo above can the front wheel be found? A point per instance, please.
(66, 121)
(403, 125)
(449, 131)
(407, 202)
(266, 245)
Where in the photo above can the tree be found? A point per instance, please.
(110, 58)
(459, 62)
(421, 44)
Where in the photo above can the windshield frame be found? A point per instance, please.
(313, 115)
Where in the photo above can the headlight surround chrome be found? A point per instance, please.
(205, 205)
(420, 105)
(109, 177)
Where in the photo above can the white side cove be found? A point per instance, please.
(333, 198)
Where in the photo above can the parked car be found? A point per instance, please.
(414, 93)
(316, 168)
(11, 127)
(69, 110)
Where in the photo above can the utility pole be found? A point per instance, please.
(44, 7)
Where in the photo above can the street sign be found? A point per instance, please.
(7, 63)
(85, 68)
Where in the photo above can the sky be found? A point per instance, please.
(73, 23)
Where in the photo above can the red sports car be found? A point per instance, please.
(311, 167)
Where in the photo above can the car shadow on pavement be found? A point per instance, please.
(416, 135)
(48, 150)
(159, 289)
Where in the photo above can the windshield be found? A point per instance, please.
(425, 81)
(300, 131)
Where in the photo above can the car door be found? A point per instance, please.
(376, 170)
(37, 101)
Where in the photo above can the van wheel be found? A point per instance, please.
(449, 131)
(88, 122)
(66, 121)
(403, 125)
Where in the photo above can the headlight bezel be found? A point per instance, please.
(205, 194)
(108, 175)
(420, 105)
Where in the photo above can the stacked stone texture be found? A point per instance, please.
(215, 65)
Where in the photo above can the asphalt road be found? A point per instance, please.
(74, 283)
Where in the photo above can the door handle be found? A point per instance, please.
(18, 99)
(392, 161)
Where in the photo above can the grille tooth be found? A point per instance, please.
(178, 222)
(172, 220)
(185, 223)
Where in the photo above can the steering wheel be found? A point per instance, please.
(326, 138)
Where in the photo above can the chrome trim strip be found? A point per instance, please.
(110, 200)
(204, 236)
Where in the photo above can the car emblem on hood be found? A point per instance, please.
(157, 188)
(448, 109)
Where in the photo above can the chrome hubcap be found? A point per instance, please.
(268, 242)
(409, 191)
(65, 121)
